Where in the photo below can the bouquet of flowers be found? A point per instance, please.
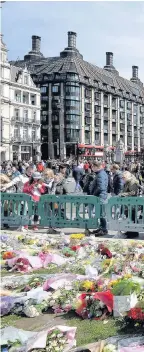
(8, 255)
(56, 342)
(125, 287)
(88, 285)
(76, 238)
(63, 300)
(33, 283)
(94, 305)
(57, 339)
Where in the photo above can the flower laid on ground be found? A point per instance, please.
(77, 236)
(87, 286)
(8, 255)
(56, 342)
(125, 287)
(109, 348)
(136, 314)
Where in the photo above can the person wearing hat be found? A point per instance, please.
(35, 187)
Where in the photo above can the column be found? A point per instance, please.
(82, 116)
(132, 129)
(125, 112)
(92, 117)
(118, 120)
(50, 136)
(61, 124)
(10, 152)
(138, 126)
(110, 120)
(19, 153)
(102, 120)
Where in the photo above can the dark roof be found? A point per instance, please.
(72, 61)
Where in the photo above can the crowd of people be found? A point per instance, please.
(95, 178)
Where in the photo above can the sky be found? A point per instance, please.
(100, 26)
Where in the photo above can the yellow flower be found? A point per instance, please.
(87, 285)
(77, 236)
(127, 276)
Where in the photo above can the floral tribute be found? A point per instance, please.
(87, 276)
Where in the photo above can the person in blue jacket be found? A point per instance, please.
(99, 188)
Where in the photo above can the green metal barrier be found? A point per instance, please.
(69, 211)
(73, 211)
(125, 214)
(16, 209)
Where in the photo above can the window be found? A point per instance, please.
(43, 89)
(129, 105)
(16, 113)
(72, 76)
(97, 96)
(16, 132)
(122, 104)
(55, 89)
(87, 93)
(25, 79)
(25, 133)
(25, 114)
(122, 115)
(34, 115)
(71, 89)
(33, 135)
(141, 109)
(18, 97)
(43, 118)
(54, 118)
(96, 109)
(44, 113)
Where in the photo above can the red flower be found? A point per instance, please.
(136, 314)
(8, 255)
(106, 251)
(75, 248)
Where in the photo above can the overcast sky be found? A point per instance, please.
(100, 26)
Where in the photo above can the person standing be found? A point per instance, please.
(99, 188)
(117, 179)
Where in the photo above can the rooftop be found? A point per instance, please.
(71, 61)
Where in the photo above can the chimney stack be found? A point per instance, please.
(109, 59)
(36, 43)
(135, 72)
(72, 39)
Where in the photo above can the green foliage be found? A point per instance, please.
(126, 287)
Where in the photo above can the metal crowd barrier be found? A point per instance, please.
(16, 209)
(73, 211)
(125, 214)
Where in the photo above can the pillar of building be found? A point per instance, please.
(102, 121)
(118, 120)
(82, 116)
(110, 120)
(125, 132)
(9, 153)
(138, 126)
(92, 117)
(132, 129)
(50, 134)
(61, 124)
(19, 152)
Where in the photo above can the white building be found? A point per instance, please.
(20, 112)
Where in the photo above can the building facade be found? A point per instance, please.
(20, 112)
(81, 102)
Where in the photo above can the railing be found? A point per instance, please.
(122, 214)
